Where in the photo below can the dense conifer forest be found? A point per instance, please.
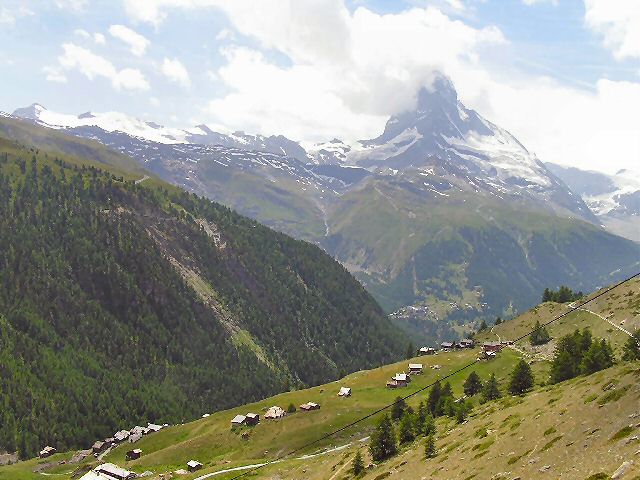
(123, 303)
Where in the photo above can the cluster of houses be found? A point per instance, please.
(122, 436)
(464, 343)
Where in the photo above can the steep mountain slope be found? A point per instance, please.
(445, 217)
(573, 429)
(123, 302)
(614, 199)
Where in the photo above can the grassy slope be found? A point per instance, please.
(554, 425)
(71, 149)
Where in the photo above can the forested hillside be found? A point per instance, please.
(122, 303)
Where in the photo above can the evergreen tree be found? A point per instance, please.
(498, 320)
(472, 385)
(291, 408)
(540, 335)
(358, 464)
(406, 429)
(445, 404)
(483, 326)
(562, 367)
(383, 440)
(598, 357)
(491, 390)
(631, 349)
(421, 417)
(429, 425)
(434, 398)
(411, 351)
(398, 408)
(521, 379)
(430, 446)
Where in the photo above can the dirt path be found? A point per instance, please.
(607, 320)
(140, 180)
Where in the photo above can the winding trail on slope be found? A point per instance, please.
(603, 318)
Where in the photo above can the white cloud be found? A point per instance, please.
(97, 37)
(82, 33)
(137, 43)
(348, 71)
(10, 13)
(175, 71)
(212, 75)
(618, 21)
(92, 66)
(74, 5)
(54, 74)
(225, 34)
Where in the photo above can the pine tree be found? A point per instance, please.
(358, 464)
(540, 335)
(490, 390)
(421, 417)
(383, 440)
(472, 384)
(429, 425)
(430, 447)
(598, 357)
(631, 349)
(398, 408)
(411, 351)
(291, 408)
(434, 398)
(406, 430)
(562, 367)
(498, 320)
(521, 379)
(483, 326)
(547, 296)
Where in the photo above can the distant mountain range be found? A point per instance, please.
(444, 212)
(614, 199)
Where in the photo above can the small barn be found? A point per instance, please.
(309, 406)
(114, 472)
(152, 427)
(121, 436)
(344, 392)
(491, 346)
(467, 343)
(446, 346)
(426, 351)
(98, 447)
(47, 452)
(402, 379)
(274, 413)
(415, 368)
(134, 437)
(193, 465)
(133, 454)
(252, 418)
(489, 355)
(392, 384)
(238, 421)
(139, 430)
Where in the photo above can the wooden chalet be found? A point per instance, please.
(309, 406)
(111, 471)
(401, 379)
(238, 421)
(344, 392)
(426, 351)
(193, 465)
(47, 452)
(121, 436)
(446, 346)
(415, 368)
(133, 454)
(491, 346)
(252, 418)
(152, 427)
(467, 343)
(98, 447)
(274, 413)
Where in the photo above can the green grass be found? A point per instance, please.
(622, 433)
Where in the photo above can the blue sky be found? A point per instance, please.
(317, 69)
